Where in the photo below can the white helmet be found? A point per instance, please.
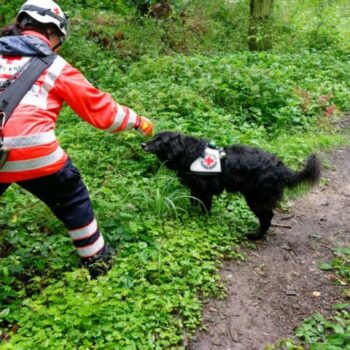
(45, 11)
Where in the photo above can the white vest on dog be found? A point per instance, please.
(210, 162)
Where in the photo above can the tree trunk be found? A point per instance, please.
(260, 20)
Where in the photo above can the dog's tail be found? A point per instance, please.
(310, 174)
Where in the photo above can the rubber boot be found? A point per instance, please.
(101, 263)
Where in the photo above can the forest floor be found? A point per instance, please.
(279, 284)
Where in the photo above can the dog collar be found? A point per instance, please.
(209, 162)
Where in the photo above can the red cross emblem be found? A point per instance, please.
(209, 161)
(56, 11)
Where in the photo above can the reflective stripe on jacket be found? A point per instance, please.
(29, 133)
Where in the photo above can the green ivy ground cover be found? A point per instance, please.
(169, 256)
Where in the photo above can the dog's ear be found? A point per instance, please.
(177, 145)
(167, 139)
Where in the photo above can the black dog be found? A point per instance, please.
(259, 176)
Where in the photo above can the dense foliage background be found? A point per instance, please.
(190, 71)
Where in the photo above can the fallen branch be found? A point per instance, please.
(283, 226)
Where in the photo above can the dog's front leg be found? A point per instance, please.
(202, 200)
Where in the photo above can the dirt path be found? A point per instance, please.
(273, 290)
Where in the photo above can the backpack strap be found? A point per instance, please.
(12, 95)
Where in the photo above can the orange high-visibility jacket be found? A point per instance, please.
(29, 133)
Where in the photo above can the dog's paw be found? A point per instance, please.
(255, 235)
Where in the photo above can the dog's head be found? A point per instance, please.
(178, 151)
(166, 145)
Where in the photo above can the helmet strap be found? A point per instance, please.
(60, 43)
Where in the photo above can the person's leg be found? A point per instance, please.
(68, 198)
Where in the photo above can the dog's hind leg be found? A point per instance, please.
(202, 200)
(264, 213)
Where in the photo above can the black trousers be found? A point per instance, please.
(66, 195)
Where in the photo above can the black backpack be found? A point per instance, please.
(13, 90)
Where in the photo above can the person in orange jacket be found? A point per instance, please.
(36, 161)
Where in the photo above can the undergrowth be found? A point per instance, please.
(168, 256)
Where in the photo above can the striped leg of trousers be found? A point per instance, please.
(87, 239)
(68, 198)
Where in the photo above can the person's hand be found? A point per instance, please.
(144, 126)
